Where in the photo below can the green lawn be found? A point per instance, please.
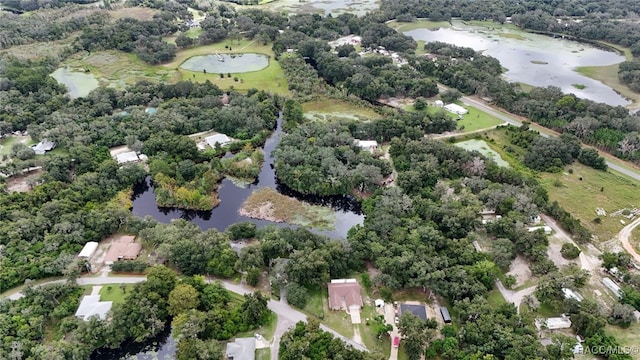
(326, 109)
(477, 120)
(547, 311)
(265, 330)
(114, 292)
(581, 198)
(609, 76)
(382, 345)
(7, 142)
(263, 354)
(495, 299)
(116, 68)
(626, 337)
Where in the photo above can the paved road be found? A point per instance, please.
(287, 316)
(511, 119)
(389, 318)
(624, 235)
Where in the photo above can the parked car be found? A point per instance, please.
(396, 341)
(396, 320)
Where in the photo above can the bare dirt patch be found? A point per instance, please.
(268, 204)
(23, 183)
(118, 150)
(140, 13)
(520, 270)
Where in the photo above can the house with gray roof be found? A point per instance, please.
(241, 349)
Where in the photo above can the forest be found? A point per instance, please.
(417, 233)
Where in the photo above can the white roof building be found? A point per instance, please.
(43, 146)
(88, 250)
(570, 294)
(609, 284)
(439, 103)
(370, 145)
(554, 323)
(456, 109)
(379, 302)
(547, 229)
(127, 157)
(92, 306)
(221, 139)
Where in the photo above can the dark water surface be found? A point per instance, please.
(347, 209)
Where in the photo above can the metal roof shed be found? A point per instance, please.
(88, 250)
(445, 315)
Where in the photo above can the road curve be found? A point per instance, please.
(624, 235)
(287, 316)
(634, 174)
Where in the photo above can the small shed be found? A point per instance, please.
(379, 302)
(439, 103)
(43, 146)
(609, 284)
(369, 145)
(88, 250)
(445, 315)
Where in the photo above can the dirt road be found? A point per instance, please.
(624, 235)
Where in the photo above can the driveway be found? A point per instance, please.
(514, 297)
(389, 318)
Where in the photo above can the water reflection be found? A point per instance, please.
(347, 210)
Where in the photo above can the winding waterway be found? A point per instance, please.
(534, 59)
(347, 209)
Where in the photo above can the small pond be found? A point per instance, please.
(226, 63)
(347, 209)
(482, 147)
(80, 84)
(162, 347)
(534, 59)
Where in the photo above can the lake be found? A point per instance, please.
(80, 84)
(534, 59)
(226, 63)
(347, 209)
(326, 7)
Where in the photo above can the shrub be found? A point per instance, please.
(297, 295)
(569, 251)
(253, 276)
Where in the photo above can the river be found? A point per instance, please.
(534, 59)
(347, 210)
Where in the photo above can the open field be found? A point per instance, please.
(39, 49)
(635, 238)
(268, 204)
(118, 69)
(597, 189)
(325, 109)
(114, 292)
(627, 337)
(477, 120)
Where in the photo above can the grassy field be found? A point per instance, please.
(263, 354)
(495, 299)
(268, 204)
(635, 238)
(114, 292)
(477, 120)
(596, 189)
(626, 337)
(118, 69)
(7, 142)
(325, 109)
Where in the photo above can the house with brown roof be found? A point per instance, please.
(123, 248)
(344, 294)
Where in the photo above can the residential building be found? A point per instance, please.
(609, 284)
(43, 146)
(127, 157)
(570, 294)
(553, 323)
(124, 248)
(221, 139)
(456, 109)
(241, 349)
(369, 145)
(344, 294)
(92, 306)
